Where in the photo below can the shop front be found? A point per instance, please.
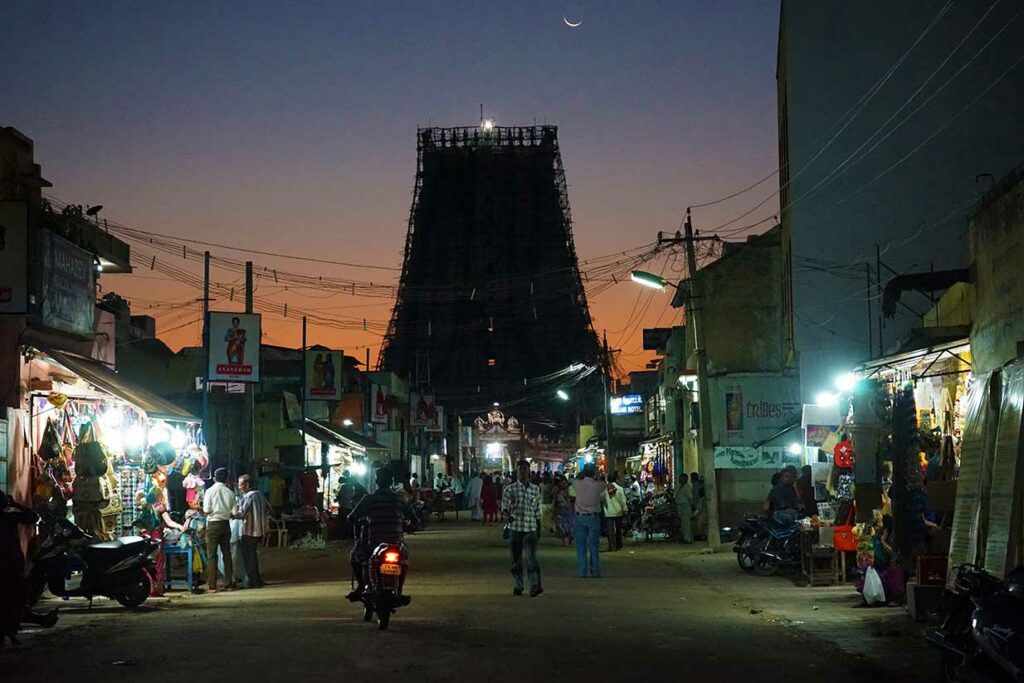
(891, 445)
(92, 432)
(653, 466)
(913, 405)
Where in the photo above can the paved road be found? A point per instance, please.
(655, 613)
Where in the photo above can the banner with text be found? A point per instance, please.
(234, 347)
(747, 409)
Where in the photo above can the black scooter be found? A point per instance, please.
(982, 636)
(751, 539)
(71, 565)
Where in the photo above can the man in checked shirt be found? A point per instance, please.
(520, 507)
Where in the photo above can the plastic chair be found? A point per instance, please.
(278, 529)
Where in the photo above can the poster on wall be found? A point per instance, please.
(379, 401)
(13, 257)
(750, 409)
(323, 374)
(234, 347)
(422, 411)
(437, 425)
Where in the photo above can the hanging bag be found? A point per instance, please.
(843, 538)
(90, 460)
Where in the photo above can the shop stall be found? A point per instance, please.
(893, 461)
(654, 464)
(88, 421)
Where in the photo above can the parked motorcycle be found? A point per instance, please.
(751, 538)
(982, 635)
(417, 513)
(385, 571)
(70, 565)
(778, 546)
(660, 517)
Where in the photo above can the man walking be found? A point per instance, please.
(587, 496)
(254, 511)
(346, 496)
(613, 500)
(520, 507)
(218, 504)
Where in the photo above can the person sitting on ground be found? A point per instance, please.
(380, 514)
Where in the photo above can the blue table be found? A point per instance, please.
(176, 549)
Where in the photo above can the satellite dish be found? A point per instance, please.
(93, 210)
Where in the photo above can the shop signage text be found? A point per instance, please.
(66, 286)
(627, 404)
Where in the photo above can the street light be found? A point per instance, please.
(650, 280)
(562, 394)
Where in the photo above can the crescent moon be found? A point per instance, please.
(572, 25)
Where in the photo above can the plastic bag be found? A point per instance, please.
(874, 593)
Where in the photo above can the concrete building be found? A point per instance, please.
(753, 380)
(893, 119)
(51, 258)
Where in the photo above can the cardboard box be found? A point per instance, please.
(924, 603)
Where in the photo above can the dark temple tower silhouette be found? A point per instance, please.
(491, 296)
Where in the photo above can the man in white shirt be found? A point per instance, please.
(218, 504)
(613, 500)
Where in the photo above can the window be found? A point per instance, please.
(491, 362)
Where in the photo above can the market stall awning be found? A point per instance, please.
(102, 377)
(317, 431)
(346, 438)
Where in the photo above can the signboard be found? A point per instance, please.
(66, 285)
(234, 347)
(13, 257)
(323, 374)
(422, 411)
(747, 409)
(656, 338)
(628, 404)
(379, 402)
(466, 437)
(748, 458)
(438, 424)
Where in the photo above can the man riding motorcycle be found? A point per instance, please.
(380, 514)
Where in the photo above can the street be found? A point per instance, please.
(660, 610)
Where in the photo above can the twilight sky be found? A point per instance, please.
(290, 127)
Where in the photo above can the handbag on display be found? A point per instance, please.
(90, 460)
(49, 448)
(843, 538)
(842, 454)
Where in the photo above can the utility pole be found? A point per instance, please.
(610, 461)
(250, 388)
(206, 358)
(694, 305)
(302, 390)
(871, 323)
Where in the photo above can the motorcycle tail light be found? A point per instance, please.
(391, 557)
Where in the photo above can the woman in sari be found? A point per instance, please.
(565, 514)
